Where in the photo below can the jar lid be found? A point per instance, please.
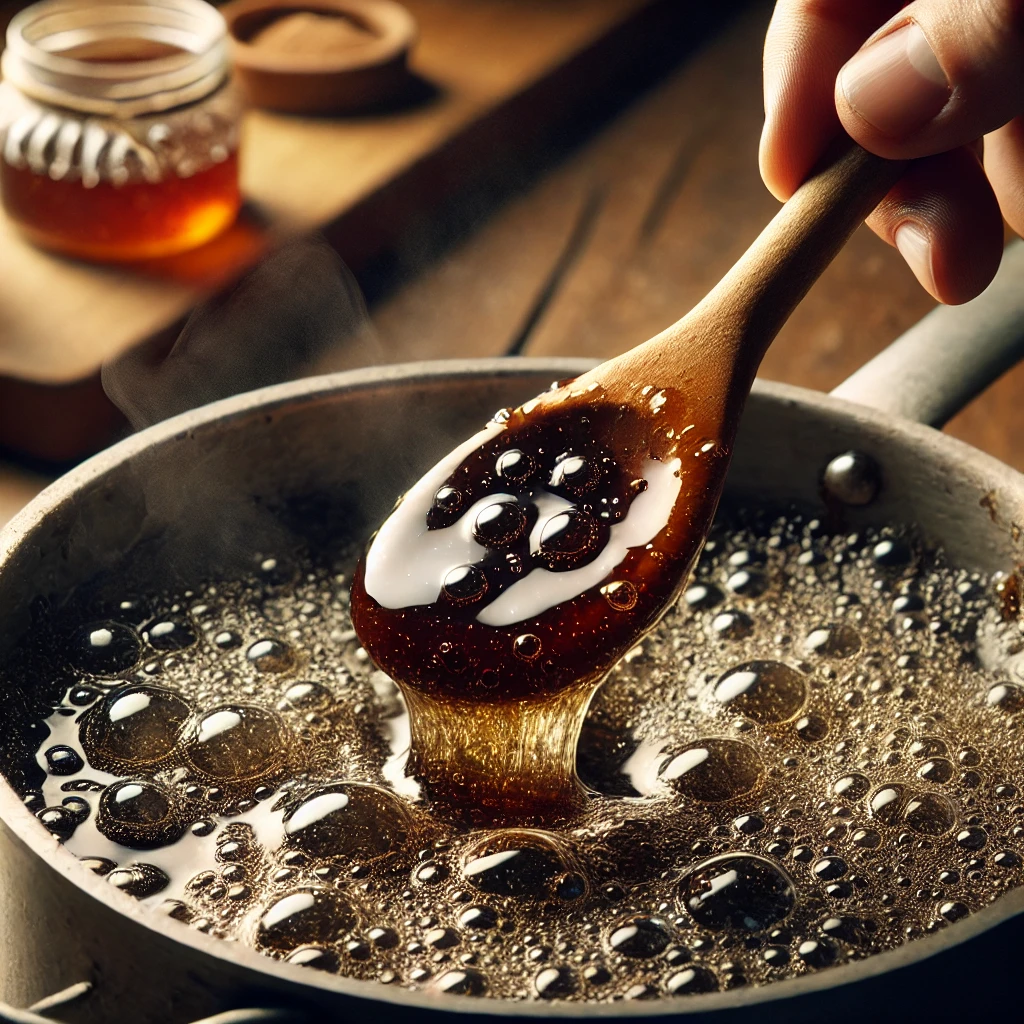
(122, 58)
(320, 56)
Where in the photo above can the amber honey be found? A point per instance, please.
(138, 220)
(123, 146)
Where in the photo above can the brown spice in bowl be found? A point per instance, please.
(320, 56)
(308, 33)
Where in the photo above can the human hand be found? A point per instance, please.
(941, 80)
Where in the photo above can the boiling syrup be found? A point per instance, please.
(813, 757)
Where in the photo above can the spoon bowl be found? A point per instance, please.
(516, 572)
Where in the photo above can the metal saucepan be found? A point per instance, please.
(322, 460)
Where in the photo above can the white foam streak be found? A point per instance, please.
(407, 563)
(542, 589)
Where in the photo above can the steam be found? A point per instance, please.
(297, 313)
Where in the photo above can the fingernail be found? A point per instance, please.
(896, 84)
(916, 248)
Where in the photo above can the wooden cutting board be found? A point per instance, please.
(497, 77)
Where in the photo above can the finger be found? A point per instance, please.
(939, 74)
(808, 41)
(1004, 162)
(943, 217)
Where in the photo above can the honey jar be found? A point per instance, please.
(119, 127)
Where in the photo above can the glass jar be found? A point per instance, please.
(119, 127)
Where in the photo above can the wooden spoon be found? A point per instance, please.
(514, 575)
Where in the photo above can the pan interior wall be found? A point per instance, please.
(301, 483)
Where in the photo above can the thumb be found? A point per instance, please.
(938, 75)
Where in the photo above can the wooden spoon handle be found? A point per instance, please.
(756, 297)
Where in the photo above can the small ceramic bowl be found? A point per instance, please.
(320, 56)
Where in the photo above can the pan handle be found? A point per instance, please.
(933, 370)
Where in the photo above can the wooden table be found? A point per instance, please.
(490, 79)
(623, 236)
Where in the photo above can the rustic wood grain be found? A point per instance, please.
(681, 198)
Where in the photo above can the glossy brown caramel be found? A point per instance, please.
(137, 220)
(496, 709)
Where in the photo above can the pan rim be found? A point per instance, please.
(265, 401)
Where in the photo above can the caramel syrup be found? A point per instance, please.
(137, 220)
(515, 574)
